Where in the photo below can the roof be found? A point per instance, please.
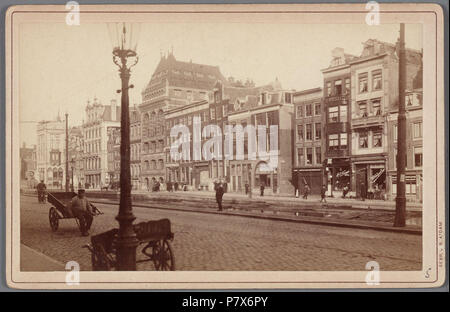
(187, 74)
(107, 113)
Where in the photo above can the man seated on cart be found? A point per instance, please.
(83, 210)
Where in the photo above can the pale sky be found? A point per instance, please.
(61, 66)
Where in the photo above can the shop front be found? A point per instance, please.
(313, 177)
(370, 179)
(339, 176)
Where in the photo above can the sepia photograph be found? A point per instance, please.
(262, 145)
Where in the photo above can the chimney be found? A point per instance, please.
(113, 110)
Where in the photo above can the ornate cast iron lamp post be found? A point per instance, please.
(125, 57)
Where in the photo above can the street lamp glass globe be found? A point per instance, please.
(124, 37)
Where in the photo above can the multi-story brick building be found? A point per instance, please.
(28, 166)
(308, 129)
(374, 77)
(193, 172)
(50, 152)
(270, 108)
(135, 147)
(76, 155)
(99, 118)
(337, 119)
(113, 155)
(173, 84)
(414, 146)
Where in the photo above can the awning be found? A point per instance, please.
(375, 177)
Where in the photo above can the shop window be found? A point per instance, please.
(338, 87)
(309, 156)
(363, 83)
(308, 132)
(333, 114)
(363, 140)
(418, 158)
(377, 139)
(376, 80)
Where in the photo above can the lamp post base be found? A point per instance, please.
(400, 212)
(126, 245)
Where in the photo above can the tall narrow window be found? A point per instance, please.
(376, 80)
(299, 132)
(377, 139)
(418, 158)
(417, 130)
(300, 157)
(363, 140)
(317, 109)
(338, 87)
(308, 110)
(333, 114)
(363, 83)
(376, 107)
(333, 141)
(328, 88)
(318, 156)
(309, 156)
(318, 131)
(309, 132)
(362, 106)
(299, 111)
(347, 86)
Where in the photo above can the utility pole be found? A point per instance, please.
(400, 201)
(67, 153)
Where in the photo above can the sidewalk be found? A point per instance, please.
(313, 200)
(34, 261)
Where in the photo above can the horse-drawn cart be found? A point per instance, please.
(153, 236)
(59, 210)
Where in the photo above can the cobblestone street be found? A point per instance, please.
(220, 242)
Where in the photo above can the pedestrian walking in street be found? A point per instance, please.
(345, 190)
(169, 186)
(219, 195)
(175, 186)
(323, 192)
(41, 188)
(83, 210)
(306, 191)
(261, 187)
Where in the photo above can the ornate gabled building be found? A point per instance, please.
(76, 156)
(99, 119)
(375, 93)
(50, 152)
(173, 84)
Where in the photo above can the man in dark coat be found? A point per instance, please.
(306, 191)
(323, 193)
(41, 187)
(261, 187)
(83, 210)
(219, 195)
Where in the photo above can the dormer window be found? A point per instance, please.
(287, 97)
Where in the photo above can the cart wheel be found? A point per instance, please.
(163, 257)
(54, 219)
